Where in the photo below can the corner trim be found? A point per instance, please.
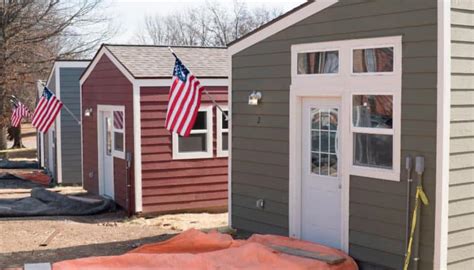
(443, 135)
(137, 148)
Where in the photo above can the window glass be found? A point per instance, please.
(119, 141)
(118, 120)
(225, 123)
(318, 62)
(373, 60)
(108, 136)
(372, 111)
(373, 150)
(324, 124)
(193, 143)
(225, 141)
(201, 120)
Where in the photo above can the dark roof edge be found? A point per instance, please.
(72, 60)
(162, 46)
(284, 15)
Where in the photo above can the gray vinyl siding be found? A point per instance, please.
(260, 134)
(70, 129)
(461, 186)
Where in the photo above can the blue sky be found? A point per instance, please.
(128, 14)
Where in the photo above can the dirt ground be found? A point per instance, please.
(78, 237)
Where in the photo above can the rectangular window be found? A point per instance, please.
(222, 133)
(372, 60)
(199, 143)
(318, 62)
(372, 126)
(118, 133)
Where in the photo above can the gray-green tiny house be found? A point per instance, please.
(349, 89)
(60, 149)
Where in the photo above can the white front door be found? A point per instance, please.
(321, 205)
(106, 175)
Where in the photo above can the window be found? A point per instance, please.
(222, 133)
(372, 60)
(372, 127)
(118, 131)
(368, 82)
(318, 62)
(199, 143)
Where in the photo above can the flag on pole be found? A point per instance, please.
(46, 111)
(19, 111)
(184, 100)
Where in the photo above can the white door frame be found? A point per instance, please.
(100, 109)
(296, 106)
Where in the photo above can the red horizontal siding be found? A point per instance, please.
(177, 185)
(106, 85)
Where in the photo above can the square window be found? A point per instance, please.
(372, 111)
(372, 60)
(373, 150)
(318, 62)
(201, 121)
(193, 143)
(225, 141)
(119, 141)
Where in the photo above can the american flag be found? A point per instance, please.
(45, 113)
(19, 111)
(184, 100)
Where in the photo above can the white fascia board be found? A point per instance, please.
(112, 58)
(280, 25)
(443, 135)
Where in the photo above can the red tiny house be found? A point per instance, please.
(168, 173)
(168, 184)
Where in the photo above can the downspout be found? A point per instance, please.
(408, 166)
(128, 183)
(419, 169)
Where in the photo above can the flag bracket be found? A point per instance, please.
(213, 100)
(68, 110)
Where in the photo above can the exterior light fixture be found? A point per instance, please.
(254, 98)
(88, 112)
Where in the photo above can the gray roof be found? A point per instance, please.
(157, 61)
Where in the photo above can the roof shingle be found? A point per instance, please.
(158, 62)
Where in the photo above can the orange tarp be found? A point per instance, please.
(197, 250)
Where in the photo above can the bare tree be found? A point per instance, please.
(211, 25)
(33, 33)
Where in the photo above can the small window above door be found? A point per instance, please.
(372, 60)
(323, 62)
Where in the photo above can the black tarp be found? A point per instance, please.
(43, 202)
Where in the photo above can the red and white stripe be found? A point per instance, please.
(19, 112)
(183, 106)
(118, 120)
(46, 112)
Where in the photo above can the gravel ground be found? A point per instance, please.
(100, 235)
(78, 237)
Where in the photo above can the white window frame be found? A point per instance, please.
(209, 139)
(324, 49)
(387, 73)
(116, 153)
(346, 83)
(220, 116)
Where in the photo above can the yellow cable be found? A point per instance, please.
(420, 194)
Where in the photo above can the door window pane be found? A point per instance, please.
(225, 123)
(108, 136)
(318, 62)
(324, 124)
(372, 111)
(373, 60)
(118, 141)
(373, 150)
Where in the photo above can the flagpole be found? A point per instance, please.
(67, 109)
(226, 117)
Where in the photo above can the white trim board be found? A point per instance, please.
(229, 158)
(137, 148)
(443, 135)
(59, 150)
(280, 24)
